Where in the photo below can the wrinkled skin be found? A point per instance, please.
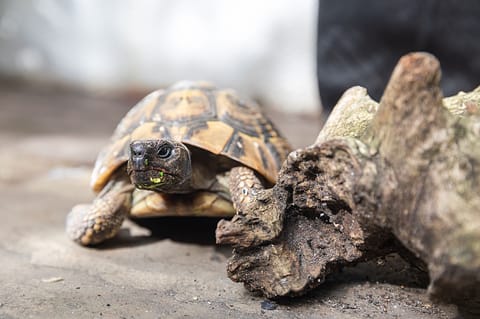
(160, 165)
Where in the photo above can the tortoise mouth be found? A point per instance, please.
(149, 178)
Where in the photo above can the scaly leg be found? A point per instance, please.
(90, 224)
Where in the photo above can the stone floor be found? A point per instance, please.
(49, 142)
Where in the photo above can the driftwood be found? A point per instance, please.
(404, 170)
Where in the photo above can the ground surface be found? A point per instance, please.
(49, 142)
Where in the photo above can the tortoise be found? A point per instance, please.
(180, 152)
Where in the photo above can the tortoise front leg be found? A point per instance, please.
(258, 218)
(90, 224)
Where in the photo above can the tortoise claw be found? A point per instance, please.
(93, 224)
(87, 227)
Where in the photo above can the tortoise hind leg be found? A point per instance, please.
(90, 224)
(257, 220)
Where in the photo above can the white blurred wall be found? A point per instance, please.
(263, 48)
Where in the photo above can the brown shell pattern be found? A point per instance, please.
(201, 115)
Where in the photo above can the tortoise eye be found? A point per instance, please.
(164, 151)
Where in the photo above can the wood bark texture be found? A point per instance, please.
(406, 169)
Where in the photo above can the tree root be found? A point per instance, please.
(406, 169)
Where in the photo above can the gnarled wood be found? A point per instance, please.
(408, 171)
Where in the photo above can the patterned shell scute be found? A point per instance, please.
(197, 114)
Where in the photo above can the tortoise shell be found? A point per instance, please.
(201, 115)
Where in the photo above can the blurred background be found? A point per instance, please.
(280, 52)
(263, 49)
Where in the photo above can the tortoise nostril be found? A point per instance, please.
(137, 150)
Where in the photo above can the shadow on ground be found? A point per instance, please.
(189, 230)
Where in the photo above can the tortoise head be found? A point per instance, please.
(160, 165)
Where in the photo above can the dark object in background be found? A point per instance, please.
(359, 43)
